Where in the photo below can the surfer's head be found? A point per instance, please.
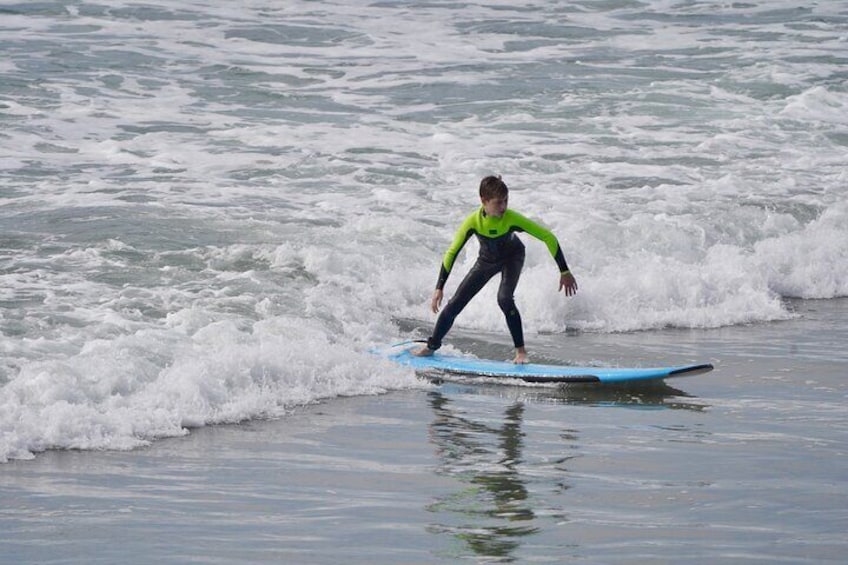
(493, 187)
(494, 195)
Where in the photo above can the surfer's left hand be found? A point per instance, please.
(568, 283)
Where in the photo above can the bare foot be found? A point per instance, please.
(423, 352)
(520, 356)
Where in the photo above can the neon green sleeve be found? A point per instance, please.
(544, 235)
(465, 231)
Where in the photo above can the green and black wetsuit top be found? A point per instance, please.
(497, 239)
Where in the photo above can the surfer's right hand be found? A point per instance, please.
(436, 302)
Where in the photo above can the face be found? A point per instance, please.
(495, 206)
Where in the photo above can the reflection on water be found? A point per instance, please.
(493, 511)
(506, 496)
(649, 395)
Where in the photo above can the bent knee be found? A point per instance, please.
(507, 305)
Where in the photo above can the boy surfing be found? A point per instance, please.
(500, 252)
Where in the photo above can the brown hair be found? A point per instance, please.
(493, 187)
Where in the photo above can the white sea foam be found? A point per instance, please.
(121, 393)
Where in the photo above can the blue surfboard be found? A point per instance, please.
(504, 371)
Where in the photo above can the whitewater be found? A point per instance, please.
(211, 213)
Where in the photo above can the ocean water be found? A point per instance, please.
(211, 212)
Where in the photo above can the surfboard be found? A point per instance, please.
(504, 371)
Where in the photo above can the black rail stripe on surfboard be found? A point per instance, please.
(692, 370)
(525, 378)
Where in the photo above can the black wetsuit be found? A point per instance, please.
(500, 252)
